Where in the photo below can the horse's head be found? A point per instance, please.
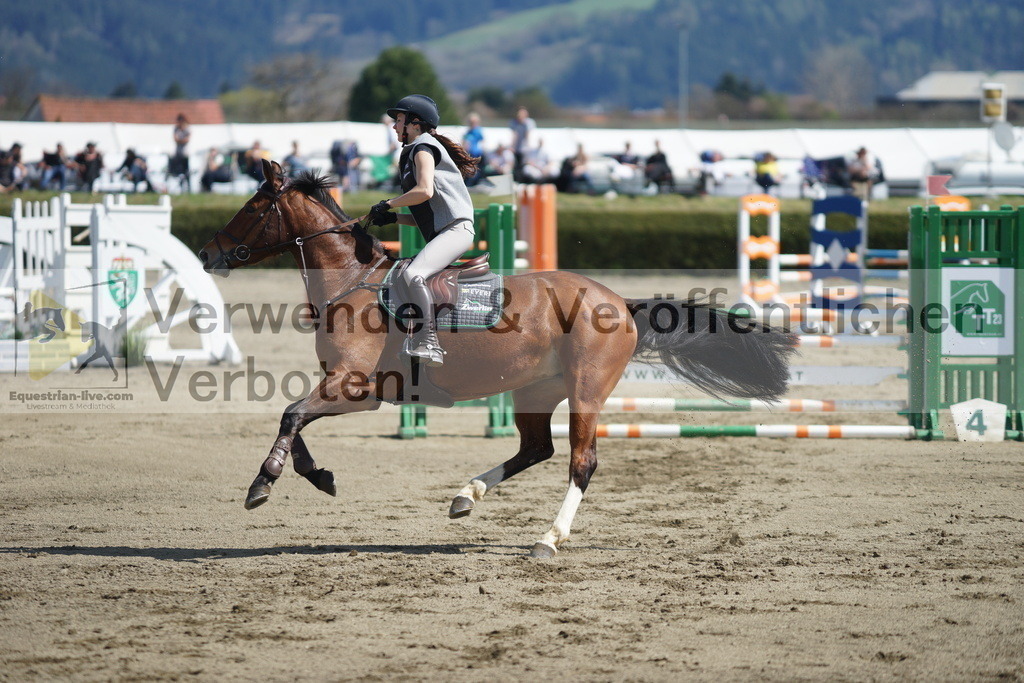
(278, 217)
(257, 231)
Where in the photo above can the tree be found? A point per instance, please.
(535, 99)
(125, 89)
(489, 95)
(305, 86)
(175, 91)
(740, 88)
(397, 72)
(841, 77)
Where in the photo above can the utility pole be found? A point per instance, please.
(684, 75)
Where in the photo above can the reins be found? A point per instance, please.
(243, 252)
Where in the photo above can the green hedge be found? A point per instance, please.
(673, 240)
(612, 240)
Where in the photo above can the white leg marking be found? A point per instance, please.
(559, 532)
(476, 488)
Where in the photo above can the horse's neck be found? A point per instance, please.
(331, 266)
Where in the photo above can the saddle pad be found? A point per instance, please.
(479, 304)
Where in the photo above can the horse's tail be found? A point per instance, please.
(723, 353)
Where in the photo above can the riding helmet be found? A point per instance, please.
(420, 107)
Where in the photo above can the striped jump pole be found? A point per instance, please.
(792, 405)
(826, 341)
(666, 431)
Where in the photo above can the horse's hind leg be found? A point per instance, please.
(582, 463)
(534, 405)
(590, 380)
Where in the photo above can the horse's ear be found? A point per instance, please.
(273, 173)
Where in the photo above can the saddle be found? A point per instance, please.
(444, 285)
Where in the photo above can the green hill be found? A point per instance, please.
(620, 53)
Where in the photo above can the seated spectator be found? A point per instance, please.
(628, 158)
(295, 163)
(710, 171)
(89, 162)
(573, 176)
(6, 172)
(19, 170)
(217, 170)
(537, 165)
(135, 170)
(54, 166)
(501, 161)
(658, 171)
(253, 161)
(766, 172)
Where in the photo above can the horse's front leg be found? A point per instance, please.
(331, 397)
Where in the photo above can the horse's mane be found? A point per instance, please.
(311, 184)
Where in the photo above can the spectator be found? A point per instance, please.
(295, 163)
(629, 158)
(135, 170)
(13, 173)
(217, 170)
(501, 161)
(253, 158)
(537, 166)
(472, 142)
(353, 159)
(658, 171)
(710, 171)
(522, 125)
(573, 175)
(6, 172)
(766, 172)
(54, 166)
(864, 172)
(89, 162)
(339, 164)
(178, 164)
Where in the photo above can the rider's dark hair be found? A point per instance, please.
(467, 164)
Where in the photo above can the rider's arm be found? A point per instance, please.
(424, 188)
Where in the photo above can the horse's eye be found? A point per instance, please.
(249, 208)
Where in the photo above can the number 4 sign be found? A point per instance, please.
(979, 420)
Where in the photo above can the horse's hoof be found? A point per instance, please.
(461, 507)
(323, 480)
(542, 551)
(259, 492)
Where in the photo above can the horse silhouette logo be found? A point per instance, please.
(979, 308)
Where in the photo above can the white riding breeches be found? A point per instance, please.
(450, 244)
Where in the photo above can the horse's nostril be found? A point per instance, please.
(203, 256)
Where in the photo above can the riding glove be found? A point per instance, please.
(381, 214)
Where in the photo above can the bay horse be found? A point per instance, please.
(567, 337)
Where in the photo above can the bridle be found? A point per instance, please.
(242, 252)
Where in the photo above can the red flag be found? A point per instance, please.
(937, 185)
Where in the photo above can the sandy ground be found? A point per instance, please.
(126, 552)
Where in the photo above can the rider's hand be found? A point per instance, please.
(381, 214)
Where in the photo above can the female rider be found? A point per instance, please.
(433, 171)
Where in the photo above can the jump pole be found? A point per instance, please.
(666, 431)
(791, 405)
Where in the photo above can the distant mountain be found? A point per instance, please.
(617, 53)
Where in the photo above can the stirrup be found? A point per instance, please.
(427, 349)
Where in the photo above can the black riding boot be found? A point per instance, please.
(424, 343)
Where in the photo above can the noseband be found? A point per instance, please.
(241, 252)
